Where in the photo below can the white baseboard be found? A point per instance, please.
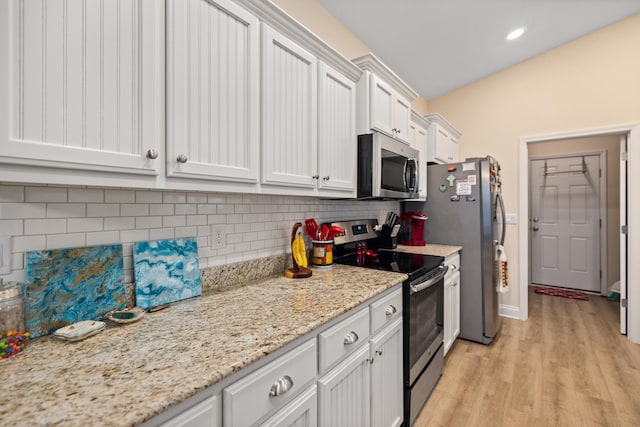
(510, 311)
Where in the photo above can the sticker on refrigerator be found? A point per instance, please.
(463, 188)
(469, 166)
(451, 178)
(471, 199)
(443, 187)
(471, 179)
(455, 198)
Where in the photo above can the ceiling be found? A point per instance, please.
(440, 45)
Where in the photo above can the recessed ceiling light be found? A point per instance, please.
(516, 33)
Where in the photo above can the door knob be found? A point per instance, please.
(535, 220)
(152, 154)
(535, 228)
(182, 158)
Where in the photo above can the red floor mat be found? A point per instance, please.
(566, 293)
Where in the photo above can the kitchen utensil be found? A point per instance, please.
(66, 286)
(311, 226)
(324, 234)
(298, 272)
(322, 253)
(335, 230)
(166, 271)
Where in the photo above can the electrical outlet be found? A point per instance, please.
(218, 236)
(5, 254)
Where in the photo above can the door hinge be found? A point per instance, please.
(624, 156)
(623, 303)
(624, 229)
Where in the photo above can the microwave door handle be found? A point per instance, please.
(414, 171)
(404, 175)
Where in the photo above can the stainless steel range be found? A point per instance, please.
(423, 301)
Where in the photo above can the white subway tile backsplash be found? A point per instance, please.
(11, 193)
(138, 209)
(85, 195)
(84, 224)
(254, 225)
(148, 196)
(45, 226)
(103, 209)
(11, 227)
(66, 210)
(45, 194)
(161, 209)
(119, 196)
(67, 240)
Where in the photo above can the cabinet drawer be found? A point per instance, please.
(250, 398)
(386, 310)
(340, 340)
(453, 262)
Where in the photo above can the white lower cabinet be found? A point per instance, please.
(301, 412)
(451, 301)
(344, 393)
(386, 377)
(207, 413)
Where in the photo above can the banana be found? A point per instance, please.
(299, 251)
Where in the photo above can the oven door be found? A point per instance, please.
(424, 304)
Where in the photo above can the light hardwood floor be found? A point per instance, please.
(567, 365)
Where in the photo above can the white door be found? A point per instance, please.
(386, 377)
(213, 99)
(565, 222)
(623, 234)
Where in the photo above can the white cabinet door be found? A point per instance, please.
(344, 397)
(81, 84)
(418, 140)
(213, 98)
(337, 146)
(207, 413)
(289, 108)
(386, 377)
(443, 150)
(301, 412)
(451, 310)
(382, 106)
(401, 118)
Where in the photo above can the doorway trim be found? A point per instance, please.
(633, 307)
(604, 243)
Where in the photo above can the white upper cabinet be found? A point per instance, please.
(442, 140)
(337, 147)
(384, 100)
(289, 111)
(418, 140)
(81, 86)
(213, 97)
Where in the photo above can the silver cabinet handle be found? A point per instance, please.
(379, 352)
(182, 158)
(152, 153)
(281, 386)
(390, 311)
(535, 228)
(316, 176)
(325, 178)
(351, 338)
(535, 220)
(371, 360)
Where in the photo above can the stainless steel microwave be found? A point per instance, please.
(387, 169)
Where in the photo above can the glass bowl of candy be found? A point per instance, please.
(12, 343)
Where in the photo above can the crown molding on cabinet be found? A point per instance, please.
(437, 118)
(372, 63)
(421, 120)
(275, 17)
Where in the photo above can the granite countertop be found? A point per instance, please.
(429, 249)
(128, 374)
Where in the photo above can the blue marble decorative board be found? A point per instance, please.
(166, 271)
(66, 286)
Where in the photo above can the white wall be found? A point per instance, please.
(44, 217)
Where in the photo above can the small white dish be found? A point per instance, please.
(128, 315)
(80, 330)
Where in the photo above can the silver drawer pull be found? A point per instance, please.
(182, 158)
(351, 338)
(281, 386)
(390, 311)
(152, 154)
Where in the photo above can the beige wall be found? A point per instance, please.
(591, 82)
(611, 145)
(316, 18)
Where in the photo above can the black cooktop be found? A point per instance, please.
(413, 265)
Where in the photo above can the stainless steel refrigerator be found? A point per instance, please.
(464, 207)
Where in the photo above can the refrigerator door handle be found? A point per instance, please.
(500, 202)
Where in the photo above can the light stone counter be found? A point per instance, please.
(127, 374)
(429, 249)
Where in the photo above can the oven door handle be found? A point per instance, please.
(424, 285)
